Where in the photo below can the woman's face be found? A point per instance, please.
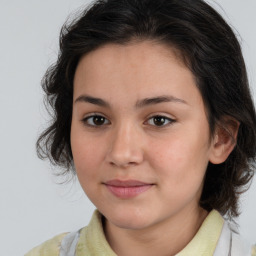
(139, 136)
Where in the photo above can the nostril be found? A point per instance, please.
(123, 164)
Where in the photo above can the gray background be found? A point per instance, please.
(33, 208)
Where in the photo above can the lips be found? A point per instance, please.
(128, 188)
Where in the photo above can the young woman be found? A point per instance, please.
(153, 113)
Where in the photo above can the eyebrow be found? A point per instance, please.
(93, 100)
(139, 104)
(156, 100)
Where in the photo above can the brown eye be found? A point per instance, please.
(95, 120)
(99, 120)
(160, 121)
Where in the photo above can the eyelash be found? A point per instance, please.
(105, 121)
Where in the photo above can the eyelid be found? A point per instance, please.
(94, 114)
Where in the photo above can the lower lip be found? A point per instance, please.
(128, 192)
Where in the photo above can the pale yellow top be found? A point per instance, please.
(254, 250)
(92, 240)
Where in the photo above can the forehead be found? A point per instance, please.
(150, 53)
(139, 70)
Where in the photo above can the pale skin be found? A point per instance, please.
(150, 126)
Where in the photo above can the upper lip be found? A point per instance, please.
(126, 183)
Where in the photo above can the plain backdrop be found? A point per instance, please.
(33, 208)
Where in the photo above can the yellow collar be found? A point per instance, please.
(93, 241)
(206, 239)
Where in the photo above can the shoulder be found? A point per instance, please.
(254, 250)
(49, 248)
(69, 243)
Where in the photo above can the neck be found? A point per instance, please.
(165, 238)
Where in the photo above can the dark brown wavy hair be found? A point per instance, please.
(208, 47)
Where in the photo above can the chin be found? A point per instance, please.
(125, 219)
(130, 224)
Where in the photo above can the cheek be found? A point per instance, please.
(87, 153)
(87, 161)
(180, 160)
(180, 172)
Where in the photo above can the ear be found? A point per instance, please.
(224, 140)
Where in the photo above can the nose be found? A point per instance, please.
(126, 147)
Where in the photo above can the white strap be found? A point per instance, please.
(223, 246)
(68, 244)
(229, 243)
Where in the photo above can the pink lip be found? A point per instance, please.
(128, 188)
